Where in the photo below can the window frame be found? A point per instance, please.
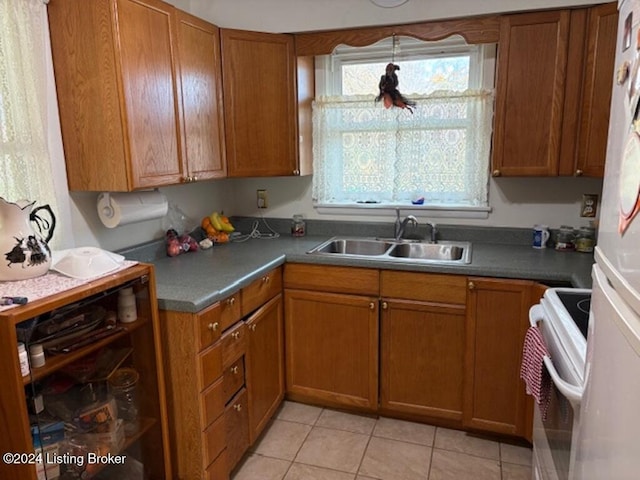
(482, 76)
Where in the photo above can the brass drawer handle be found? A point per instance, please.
(385, 305)
(252, 327)
(213, 326)
(235, 370)
(472, 286)
(236, 335)
(372, 306)
(266, 279)
(231, 301)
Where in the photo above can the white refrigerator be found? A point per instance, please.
(608, 439)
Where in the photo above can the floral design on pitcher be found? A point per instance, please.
(16, 255)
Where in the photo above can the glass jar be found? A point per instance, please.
(565, 239)
(298, 226)
(122, 385)
(585, 239)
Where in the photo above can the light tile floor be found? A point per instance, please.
(304, 442)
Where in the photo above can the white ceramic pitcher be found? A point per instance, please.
(26, 253)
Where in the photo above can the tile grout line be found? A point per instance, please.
(364, 453)
(433, 447)
(302, 443)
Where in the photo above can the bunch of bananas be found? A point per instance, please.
(217, 227)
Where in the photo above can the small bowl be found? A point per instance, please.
(87, 262)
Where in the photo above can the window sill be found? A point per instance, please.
(377, 209)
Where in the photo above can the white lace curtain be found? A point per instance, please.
(26, 166)
(366, 153)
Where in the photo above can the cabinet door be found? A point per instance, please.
(332, 348)
(265, 365)
(146, 44)
(422, 358)
(259, 103)
(494, 398)
(530, 85)
(602, 27)
(201, 86)
(237, 427)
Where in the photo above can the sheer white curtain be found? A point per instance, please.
(366, 153)
(26, 167)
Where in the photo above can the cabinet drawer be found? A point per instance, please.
(261, 290)
(234, 344)
(214, 440)
(230, 310)
(361, 281)
(209, 326)
(233, 379)
(236, 417)
(210, 365)
(218, 469)
(426, 287)
(212, 403)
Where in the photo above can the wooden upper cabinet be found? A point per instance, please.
(530, 86)
(602, 27)
(259, 79)
(201, 86)
(115, 76)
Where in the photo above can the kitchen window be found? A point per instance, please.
(369, 156)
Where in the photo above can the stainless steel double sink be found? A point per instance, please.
(390, 250)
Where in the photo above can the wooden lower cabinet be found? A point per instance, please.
(422, 358)
(265, 364)
(495, 398)
(236, 416)
(332, 348)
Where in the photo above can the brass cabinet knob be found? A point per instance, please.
(372, 306)
(266, 279)
(385, 305)
(194, 179)
(236, 335)
(472, 285)
(579, 173)
(496, 173)
(296, 172)
(252, 327)
(213, 326)
(235, 370)
(237, 407)
(231, 301)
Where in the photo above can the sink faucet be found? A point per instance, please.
(434, 232)
(399, 226)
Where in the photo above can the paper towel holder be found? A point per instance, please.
(121, 208)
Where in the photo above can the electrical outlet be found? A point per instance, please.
(262, 198)
(589, 205)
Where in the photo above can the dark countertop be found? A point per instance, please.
(193, 281)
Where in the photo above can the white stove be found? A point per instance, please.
(562, 317)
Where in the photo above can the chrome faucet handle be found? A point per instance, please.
(434, 231)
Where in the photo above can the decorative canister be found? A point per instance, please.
(585, 240)
(26, 253)
(565, 239)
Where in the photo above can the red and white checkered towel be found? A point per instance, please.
(533, 371)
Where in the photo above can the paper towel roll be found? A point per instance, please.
(116, 209)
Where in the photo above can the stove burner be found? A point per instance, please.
(577, 305)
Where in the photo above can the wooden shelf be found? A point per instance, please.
(55, 362)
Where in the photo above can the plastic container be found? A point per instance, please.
(127, 311)
(298, 226)
(585, 240)
(36, 354)
(24, 359)
(565, 239)
(123, 386)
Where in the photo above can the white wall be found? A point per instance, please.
(515, 202)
